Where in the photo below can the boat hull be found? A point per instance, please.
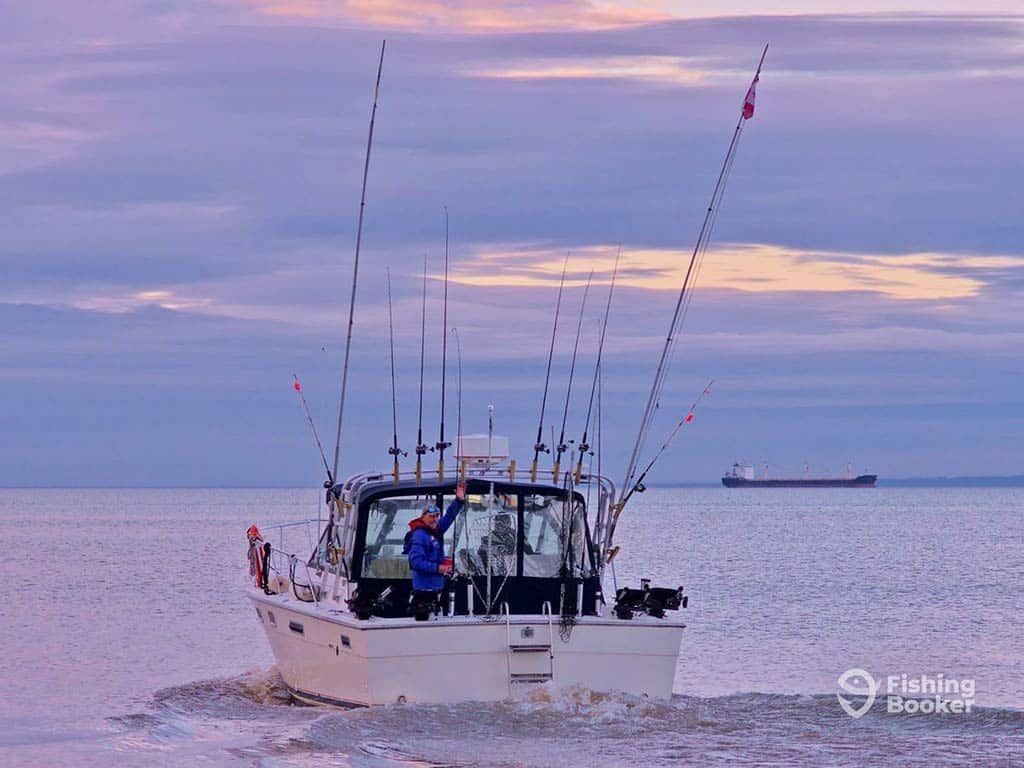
(861, 481)
(330, 657)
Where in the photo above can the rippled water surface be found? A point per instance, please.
(126, 640)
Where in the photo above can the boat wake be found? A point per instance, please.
(386, 752)
(220, 722)
(255, 688)
(558, 727)
(248, 720)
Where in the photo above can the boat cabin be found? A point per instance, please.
(520, 547)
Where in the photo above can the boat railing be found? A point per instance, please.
(285, 562)
(310, 527)
(509, 472)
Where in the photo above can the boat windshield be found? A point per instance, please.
(509, 534)
(487, 532)
(544, 545)
(386, 525)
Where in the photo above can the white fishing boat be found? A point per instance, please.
(525, 599)
(525, 604)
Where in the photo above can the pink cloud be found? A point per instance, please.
(477, 16)
(566, 15)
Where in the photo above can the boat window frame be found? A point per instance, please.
(518, 565)
(438, 490)
(584, 560)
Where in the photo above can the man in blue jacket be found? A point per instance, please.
(424, 543)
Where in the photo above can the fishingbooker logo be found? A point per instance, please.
(859, 683)
(912, 694)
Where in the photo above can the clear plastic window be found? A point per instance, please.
(578, 557)
(486, 533)
(386, 525)
(544, 519)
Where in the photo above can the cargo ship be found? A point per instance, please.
(742, 476)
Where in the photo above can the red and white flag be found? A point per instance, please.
(748, 102)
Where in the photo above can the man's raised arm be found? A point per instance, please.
(454, 508)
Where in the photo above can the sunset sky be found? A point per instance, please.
(179, 185)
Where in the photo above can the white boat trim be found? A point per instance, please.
(342, 617)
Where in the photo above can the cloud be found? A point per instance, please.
(163, 397)
(26, 143)
(132, 302)
(745, 267)
(662, 69)
(179, 187)
(532, 16)
(477, 16)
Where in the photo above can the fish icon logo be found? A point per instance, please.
(857, 682)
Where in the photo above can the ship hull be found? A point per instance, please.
(861, 481)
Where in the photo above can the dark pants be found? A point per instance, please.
(425, 602)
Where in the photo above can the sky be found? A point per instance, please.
(179, 190)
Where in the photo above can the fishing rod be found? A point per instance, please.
(602, 509)
(312, 426)
(420, 447)
(440, 445)
(539, 446)
(746, 114)
(566, 612)
(394, 450)
(458, 418)
(584, 446)
(638, 486)
(561, 447)
(682, 302)
(355, 272)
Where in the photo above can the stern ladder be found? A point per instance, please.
(530, 660)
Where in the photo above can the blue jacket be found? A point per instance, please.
(426, 549)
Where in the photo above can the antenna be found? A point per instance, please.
(539, 446)
(584, 446)
(355, 271)
(561, 447)
(441, 444)
(490, 432)
(420, 447)
(395, 451)
(490, 509)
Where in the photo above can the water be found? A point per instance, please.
(126, 641)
